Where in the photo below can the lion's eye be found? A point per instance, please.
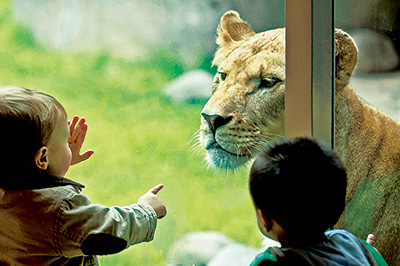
(268, 83)
(222, 75)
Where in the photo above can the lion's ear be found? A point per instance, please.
(346, 54)
(232, 31)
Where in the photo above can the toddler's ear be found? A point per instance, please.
(41, 158)
(264, 221)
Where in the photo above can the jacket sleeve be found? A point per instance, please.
(93, 229)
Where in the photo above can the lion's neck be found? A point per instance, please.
(345, 103)
(367, 140)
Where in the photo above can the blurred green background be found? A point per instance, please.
(140, 139)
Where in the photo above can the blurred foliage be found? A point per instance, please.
(140, 139)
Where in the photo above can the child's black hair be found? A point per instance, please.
(300, 183)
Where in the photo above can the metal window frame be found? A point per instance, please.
(310, 69)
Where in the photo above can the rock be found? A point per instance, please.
(197, 248)
(380, 90)
(192, 86)
(376, 51)
(234, 255)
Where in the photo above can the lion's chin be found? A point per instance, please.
(220, 159)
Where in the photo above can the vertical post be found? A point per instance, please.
(323, 71)
(310, 81)
(298, 68)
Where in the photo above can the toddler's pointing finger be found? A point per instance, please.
(156, 189)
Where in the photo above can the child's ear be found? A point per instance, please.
(41, 158)
(265, 222)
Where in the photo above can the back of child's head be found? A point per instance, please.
(27, 119)
(301, 184)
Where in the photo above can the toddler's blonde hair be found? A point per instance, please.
(27, 120)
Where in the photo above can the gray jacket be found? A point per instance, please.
(56, 224)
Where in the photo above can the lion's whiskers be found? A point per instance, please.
(195, 145)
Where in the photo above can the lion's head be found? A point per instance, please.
(247, 109)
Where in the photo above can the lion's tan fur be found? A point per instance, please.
(367, 140)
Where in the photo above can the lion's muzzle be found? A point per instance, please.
(216, 121)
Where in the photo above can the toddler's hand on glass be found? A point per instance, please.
(371, 239)
(77, 133)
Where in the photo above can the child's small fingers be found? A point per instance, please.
(82, 134)
(74, 120)
(371, 239)
(72, 124)
(82, 121)
(161, 216)
(78, 128)
(84, 156)
(156, 189)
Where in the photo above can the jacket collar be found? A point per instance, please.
(30, 181)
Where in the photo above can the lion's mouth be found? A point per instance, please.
(216, 146)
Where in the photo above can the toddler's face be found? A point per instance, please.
(59, 154)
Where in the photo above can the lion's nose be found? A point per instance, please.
(216, 121)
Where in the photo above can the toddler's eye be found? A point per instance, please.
(268, 83)
(222, 75)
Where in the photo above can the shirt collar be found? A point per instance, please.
(30, 181)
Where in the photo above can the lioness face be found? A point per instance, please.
(246, 110)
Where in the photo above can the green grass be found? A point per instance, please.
(140, 139)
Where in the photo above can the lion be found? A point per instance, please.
(246, 112)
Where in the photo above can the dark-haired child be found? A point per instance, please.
(298, 187)
(44, 217)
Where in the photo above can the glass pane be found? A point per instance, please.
(374, 25)
(112, 61)
(367, 134)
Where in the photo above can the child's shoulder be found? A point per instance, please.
(339, 233)
(348, 241)
(341, 246)
(57, 196)
(264, 258)
(345, 242)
